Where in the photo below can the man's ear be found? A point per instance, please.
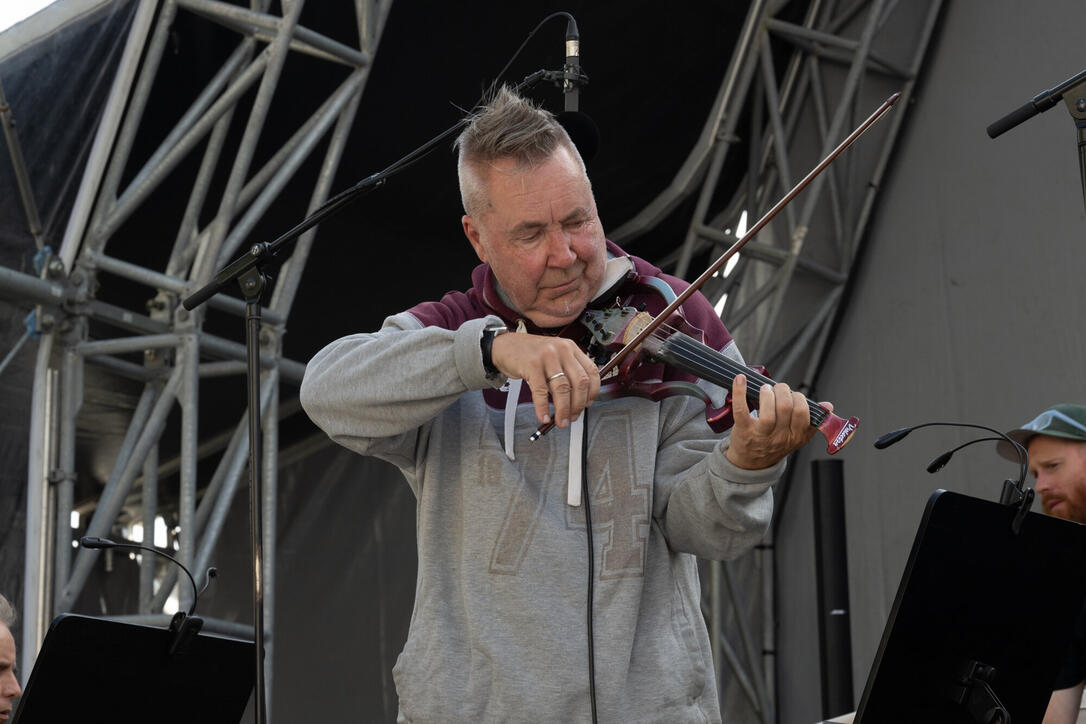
(471, 230)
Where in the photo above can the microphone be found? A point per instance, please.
(183, 626)
(940, 462)
(1039, 104)
(571, 72)
(581, 129)
(892, 437)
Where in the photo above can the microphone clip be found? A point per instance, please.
(570, 78)
(973, 690)
(1015, 497)
(183, 630)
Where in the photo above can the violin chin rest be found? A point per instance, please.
(838, 431)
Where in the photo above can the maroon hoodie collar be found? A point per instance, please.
(485, 286)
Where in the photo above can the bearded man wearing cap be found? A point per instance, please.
(1056, 442)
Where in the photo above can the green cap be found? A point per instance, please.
(1065, 420)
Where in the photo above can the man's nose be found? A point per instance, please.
(1043, 483)
(10, 687)
(560, 248)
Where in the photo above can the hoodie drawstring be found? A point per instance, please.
(576, 433)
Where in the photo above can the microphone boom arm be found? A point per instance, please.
(1014, 493)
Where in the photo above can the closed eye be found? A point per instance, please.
(527, 232)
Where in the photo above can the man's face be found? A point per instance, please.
(541, 236)
(9, 685)
(1059, 466)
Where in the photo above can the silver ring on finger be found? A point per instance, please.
(556, 375)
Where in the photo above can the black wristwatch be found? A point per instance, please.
(485, 343)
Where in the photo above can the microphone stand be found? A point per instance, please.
(1073, 93)
(1075, 99)
(248, 273)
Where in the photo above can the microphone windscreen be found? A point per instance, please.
(938, 463)
(582, 131)
(891, 437)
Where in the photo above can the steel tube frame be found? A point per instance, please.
(127, 344)
(297, 150)
(166, 282)
(63, 475)
(22, 176)
(249, 21)
(291, 271)
(148, 513)
(205, 264)
(813, 193)
(196, 252)
(190, 411)
(104, 140)
(116, 489)
(269, 497)
(38, 561)
(167, 158)
(757, 289)
(725, 111)
(137, 102)
(100, 209)
(23, 288)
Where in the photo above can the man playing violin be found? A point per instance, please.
(534, 603)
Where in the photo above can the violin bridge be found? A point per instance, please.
(636, 324)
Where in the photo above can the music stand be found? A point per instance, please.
(981, 618)
(97, 670)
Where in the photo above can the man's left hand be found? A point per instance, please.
(782, 426)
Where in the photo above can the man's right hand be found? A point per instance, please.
(555, 369)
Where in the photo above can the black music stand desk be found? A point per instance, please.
(97, 670)
(982, 616)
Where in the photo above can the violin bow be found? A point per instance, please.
(734, 248)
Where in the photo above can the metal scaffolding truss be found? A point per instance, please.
(177, 353)
(782, 294)
(780, 299)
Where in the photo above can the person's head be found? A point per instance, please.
(9, 685)
(529, 209)
(1056, 442)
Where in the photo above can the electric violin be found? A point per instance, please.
(631, 332)
(679, 344)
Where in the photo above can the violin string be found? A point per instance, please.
(723, 366)
(684, 347)
(690, 350)
(695, 352)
